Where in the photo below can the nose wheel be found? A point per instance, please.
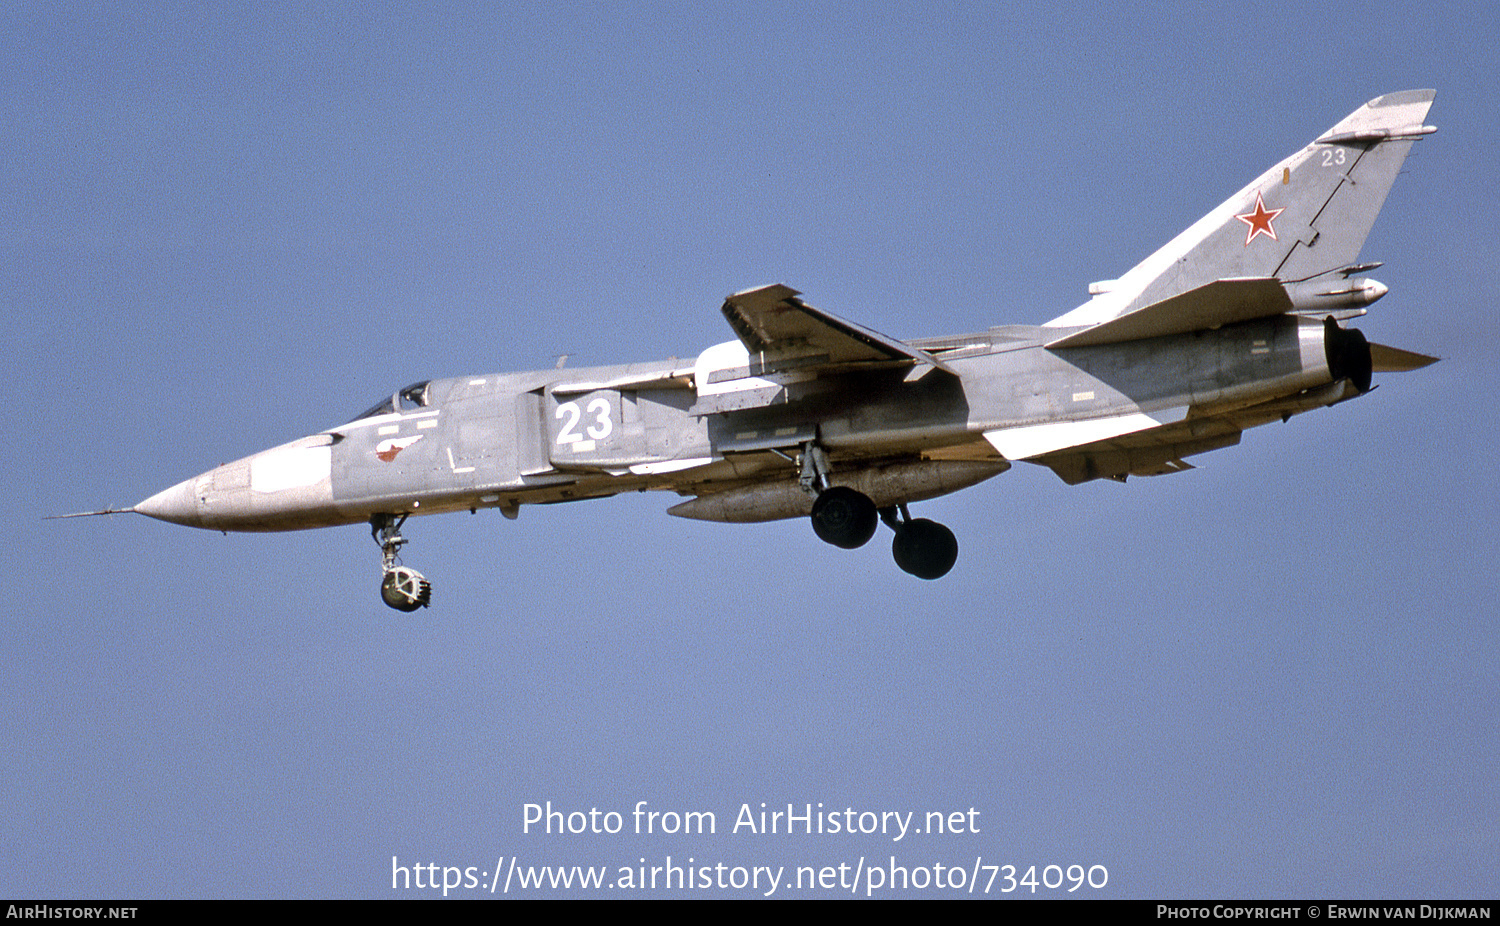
(401, 588)
(405, 589)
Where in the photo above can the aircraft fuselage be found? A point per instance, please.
(504, 440)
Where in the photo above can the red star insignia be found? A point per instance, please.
(387, 450)
(1259, 221)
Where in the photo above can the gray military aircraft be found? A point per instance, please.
(1232, 324)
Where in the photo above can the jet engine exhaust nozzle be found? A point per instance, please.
(1348, 354)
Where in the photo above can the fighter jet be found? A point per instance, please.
(1236, 322)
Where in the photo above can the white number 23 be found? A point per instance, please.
(600, 424)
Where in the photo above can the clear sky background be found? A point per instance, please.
(229, 225)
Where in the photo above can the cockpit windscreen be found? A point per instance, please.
(413, 397)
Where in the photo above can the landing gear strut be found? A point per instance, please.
(400, 588)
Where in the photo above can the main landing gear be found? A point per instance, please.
(848, 518)
(400, 588)
(923, 548)
(844, 517)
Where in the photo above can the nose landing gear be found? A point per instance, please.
(400, 587)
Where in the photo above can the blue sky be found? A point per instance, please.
(230, 225)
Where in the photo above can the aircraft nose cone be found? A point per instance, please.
(179, 504)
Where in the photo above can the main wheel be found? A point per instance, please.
(925, 549)
(405, 589)
(844, 517)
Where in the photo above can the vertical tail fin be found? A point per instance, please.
(1305, 217)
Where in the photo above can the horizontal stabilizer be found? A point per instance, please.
(1395, 360)
(1030, 441)
(1222, 302)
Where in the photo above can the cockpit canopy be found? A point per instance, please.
(413, 397)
